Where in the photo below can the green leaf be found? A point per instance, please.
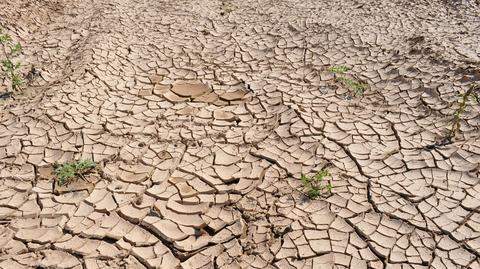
(17, 80)
(313, 193)
(7, 64)
(69, 170)
(4, 38)
(305, 179)
(313, 185)
(357, 86)
(84, 165)
(323, 173)
(15, 50)
(329, 187)
(319, 177)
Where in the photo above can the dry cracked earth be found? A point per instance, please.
(203, 115)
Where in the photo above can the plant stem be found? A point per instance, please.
(462, 106)
(10, 70)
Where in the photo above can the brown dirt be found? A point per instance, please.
(203, 115)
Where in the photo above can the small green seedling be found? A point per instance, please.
(10, 70)
(315, 186)
(338, 69)
(472, 94)
(357, 87)
(67, 171)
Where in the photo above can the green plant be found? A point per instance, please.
(471, 93)
(338, 69)
(357, 87)
(67, 171)
(314, 185)
(10, 70)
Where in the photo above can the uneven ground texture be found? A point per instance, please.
(202, 116)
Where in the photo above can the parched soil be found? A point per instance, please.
(203, 115)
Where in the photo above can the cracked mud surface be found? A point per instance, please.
(202, 116)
